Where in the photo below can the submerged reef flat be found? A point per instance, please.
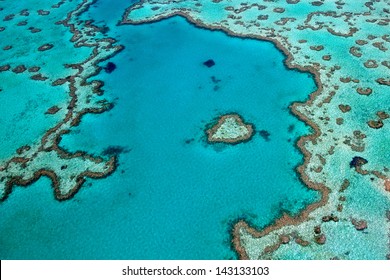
(230, 129)
(345, 46)
(61, 64)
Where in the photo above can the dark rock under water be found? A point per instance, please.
(109, 67)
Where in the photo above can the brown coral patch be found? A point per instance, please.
(320, 239)
(52, 110)
(355, 51)
(387, 185)
(45, 47)
(382, 115)
(34, 69)
(59, 81)
(344, 185)
(35, 30)
(371, 63)
(339, 121)
(239, 121)
(19, 69)
(22, 23)
(386, 64)
(383, 81)
(284, 239)
(293, 1)
(5, 67)
(9, 17)
(39, 77)
(317, 48)
(316, 3)
(359, 224)
(43, 12)
(344, 108)
(279, 10)
(364, 91)
(361, 42)
(375, 124)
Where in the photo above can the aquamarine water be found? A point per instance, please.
(173, 196)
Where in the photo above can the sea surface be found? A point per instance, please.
(173, 195)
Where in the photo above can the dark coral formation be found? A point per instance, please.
(109, 67)
(45, 47)
(364, 91)
(375, 124)
(34, 69)
(320, 239)
(330, 218)
(209, 63)
(359, 224)
(344, 108)
(52, 110)
(264, 134)
(19, 69)
(357, 162)
(39, 77)
(5, 67)
(115, 150)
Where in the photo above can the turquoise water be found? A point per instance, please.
(26, 122)
(173, 196)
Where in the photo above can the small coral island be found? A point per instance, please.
(230, 129)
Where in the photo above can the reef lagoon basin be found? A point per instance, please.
(167, 165)
(174, 195)
(173, 134)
